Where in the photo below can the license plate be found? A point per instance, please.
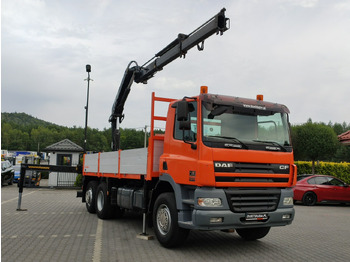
(256, 217)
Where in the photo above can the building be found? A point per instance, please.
(345, 138)
(64, 153)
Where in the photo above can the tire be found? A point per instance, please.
(103, 205)
(11, 181)
(309, 199)
(165, 221)
(251, 234)
(90, 196)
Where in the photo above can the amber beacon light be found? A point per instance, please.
(259, 97)
(204, 89)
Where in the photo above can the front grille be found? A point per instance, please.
(262, 172)
(257, 168)
(253, 200)
(251, 179)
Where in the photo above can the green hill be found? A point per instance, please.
(23, 119)
(20, 131)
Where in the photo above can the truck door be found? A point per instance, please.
(182, 148)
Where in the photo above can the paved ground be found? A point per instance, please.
(57, 227)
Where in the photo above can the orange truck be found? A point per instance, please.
(223, 162)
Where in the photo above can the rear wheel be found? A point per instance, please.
(253, 233)
(90, 196)
(11, 180)
(309, 199)
(165, 221)
(103, 205)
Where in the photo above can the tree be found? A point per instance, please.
(131, 138)
(5, 135)
(313, 141)
(42, 137)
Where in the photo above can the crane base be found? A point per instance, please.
(145, 236)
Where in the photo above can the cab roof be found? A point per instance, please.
(243, 103)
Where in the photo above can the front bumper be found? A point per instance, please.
(224, 218)
(201, 219)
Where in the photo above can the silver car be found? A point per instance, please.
(7, 173)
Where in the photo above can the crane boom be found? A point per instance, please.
(218, 24)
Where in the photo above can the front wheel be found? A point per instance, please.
(165, 221)
(90, 196)
(253, 233)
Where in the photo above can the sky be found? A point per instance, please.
(294, 52)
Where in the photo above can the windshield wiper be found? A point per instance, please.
(231, 138)
(272, 143)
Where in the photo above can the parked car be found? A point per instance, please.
(312, 189)
(7, 173)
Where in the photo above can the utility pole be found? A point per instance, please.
(88, 70)
(145, 143)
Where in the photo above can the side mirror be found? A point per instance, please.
(182, 111)
(185, 125)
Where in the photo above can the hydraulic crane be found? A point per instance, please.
(218, 24)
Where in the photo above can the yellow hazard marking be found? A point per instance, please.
(39, 167)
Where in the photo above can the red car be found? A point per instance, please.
(311, 189)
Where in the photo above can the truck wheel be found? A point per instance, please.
(309, 199)
(165, 221)
(103, 205)
(90, 196)
(253, 233)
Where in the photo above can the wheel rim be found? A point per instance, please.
(163, 219)
(310, 198)
(88, 196)
(100, 201)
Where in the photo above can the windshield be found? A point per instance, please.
(245, 127)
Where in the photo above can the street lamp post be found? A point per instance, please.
(88, 70)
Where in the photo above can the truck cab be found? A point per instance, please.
(230, 162)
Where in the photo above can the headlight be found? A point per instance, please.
(209, 202)
(287, 201)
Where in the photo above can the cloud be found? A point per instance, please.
(294, 52)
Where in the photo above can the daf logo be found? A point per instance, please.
(284, 167)
(223, 164)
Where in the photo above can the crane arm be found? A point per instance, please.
(218, 24)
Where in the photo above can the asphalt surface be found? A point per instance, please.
(57, 227)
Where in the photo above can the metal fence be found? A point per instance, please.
(66, 179)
